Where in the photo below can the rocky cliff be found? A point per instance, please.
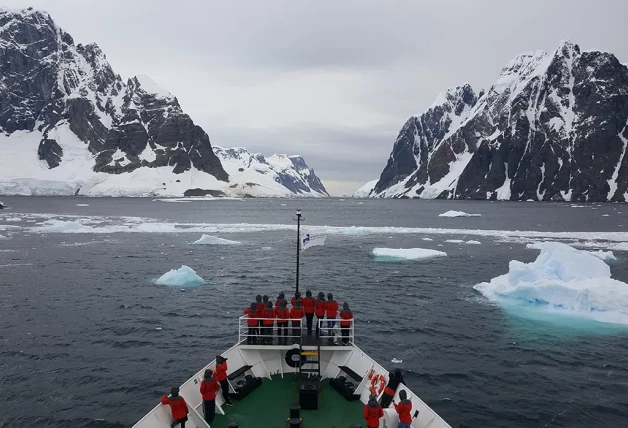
(553, 127)
(69, 124)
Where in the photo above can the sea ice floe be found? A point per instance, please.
(396, 361)
(602, 255)
(461, 241)
(82, 205)
(182, 277)
(563, 280)
(13, 219)
(425, 239)
(214, 240)
(3, 237)
(407, 253)
(458, 214)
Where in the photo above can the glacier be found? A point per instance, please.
(565, 281)
(185, 276)
(407, 253)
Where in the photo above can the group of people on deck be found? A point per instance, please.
(262, 315)
(213, 381)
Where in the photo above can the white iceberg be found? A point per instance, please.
(214, 240)
(458, 214)
(407, 253)
(396, 361)
(82, 205)
(472, 242)
(3, 237)
(182, 277)
(563, 280)
(602, 255)
(455, 241)
(13, 219)
(425, 239)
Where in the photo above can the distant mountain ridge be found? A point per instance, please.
(553, 127)
(70, 125)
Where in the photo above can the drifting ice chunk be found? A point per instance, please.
(182, 277)
(13, 219)
(213, 240)
(473, 243)
(565, 280)
(82, 205)
(458, 214)
(425, 239)
(396, 361)
(602, 255)
(3, 237)
(455, 241)
(407, 253)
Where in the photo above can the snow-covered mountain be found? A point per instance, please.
(70, 125)
(553, 127)
(281, 175)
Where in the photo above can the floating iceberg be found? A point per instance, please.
(458, 214)
(13, 219)
(602, 255)
(473, 242)
(3, 237)
(425, 239)
(182, 277)
(82, 205)
(564, 280)
(213, 240)
(407, 253)
(396, 361)
(455, 241)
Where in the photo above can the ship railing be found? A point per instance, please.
(329, 328)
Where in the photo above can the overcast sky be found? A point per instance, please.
(331, 80)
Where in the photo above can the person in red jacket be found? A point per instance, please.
(252, 313)
(320, 310)
(178, 407)
(209, 388)
(372, 412)
(279, 299)
(296, 297)
(296, 315)
(221, 377)
(345, 322)
(283, 315)
(331, 310)
(269, 316)
(403, 409)
(309, 305)
(260, 306)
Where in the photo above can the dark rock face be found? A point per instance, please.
(47, 82)
(552, 128)
(50, 151)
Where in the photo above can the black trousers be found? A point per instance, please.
(252, 335)
(179, 421)
(224, 386)
(317, 322)
(345, 334)
(309, 318)
(282, 329)
(209, 408)
(296, 330)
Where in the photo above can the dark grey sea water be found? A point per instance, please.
(79, 344)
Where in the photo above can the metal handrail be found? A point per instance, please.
(323, 327)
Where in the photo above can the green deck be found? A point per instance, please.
(269, 406)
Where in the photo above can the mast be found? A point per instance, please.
(298, 248)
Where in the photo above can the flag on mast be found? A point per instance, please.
(309, 241)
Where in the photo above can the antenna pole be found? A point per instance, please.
(298, 248)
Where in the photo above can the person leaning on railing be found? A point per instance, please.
(331, 310)
(296, 315)
(345, 322)
(268, 321)
(320, 310)
(283, 315)
(252, 323)
(309, 304)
